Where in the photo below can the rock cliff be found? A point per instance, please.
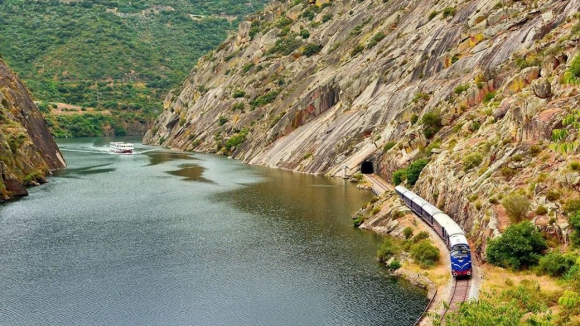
(477, 88)
(27, 151)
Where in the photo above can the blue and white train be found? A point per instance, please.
(447, 229)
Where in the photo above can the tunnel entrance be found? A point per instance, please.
(367, 167)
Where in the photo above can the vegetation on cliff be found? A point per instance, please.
(119, 58)
(27, 151)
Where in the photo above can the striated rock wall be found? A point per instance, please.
(27, 151)
(320, 88)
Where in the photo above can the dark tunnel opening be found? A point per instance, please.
(367, 167)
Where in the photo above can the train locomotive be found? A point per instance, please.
(447, 229)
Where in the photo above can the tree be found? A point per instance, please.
(516, 206)
(519, 247)
(414, 170)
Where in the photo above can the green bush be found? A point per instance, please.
(516, 206)
(265, 99)
(394, 265)
(237, 139)
(425, 254)
(471, 161)
(572, 205)
(388, 146)
(574, 68)
(553, 195)
(376, 39)
(408, 232)
(358, 220)
(541, 210)
(574, 220)
(488, 97)
(388, 249)
(420, 236)
(519, 247)
(431, 124)
(414, 170)
(556, 264)
(239, 93)
(311, 49)
(460, 89)
(449, 12)
(304, 33)
(356, 50)
(414, 118)
(222, 120)
(433, 14)
(399, 176)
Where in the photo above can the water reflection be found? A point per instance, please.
(190, 172)
(160, 157)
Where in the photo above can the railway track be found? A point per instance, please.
(459, 294)
(378, 185)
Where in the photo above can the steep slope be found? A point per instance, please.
(27, 151)
(323, 88)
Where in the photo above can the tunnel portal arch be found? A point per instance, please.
(367, 167)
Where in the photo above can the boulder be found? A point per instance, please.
(542, 88)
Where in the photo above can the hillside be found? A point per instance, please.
(119, 57)
(475, 103)
(27, 151)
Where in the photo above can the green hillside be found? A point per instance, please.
(116, 57)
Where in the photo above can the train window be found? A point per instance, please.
(459, 251)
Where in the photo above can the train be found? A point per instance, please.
(448, 230)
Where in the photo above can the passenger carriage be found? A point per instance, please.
(448, 230)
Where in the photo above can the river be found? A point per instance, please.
(172, 238)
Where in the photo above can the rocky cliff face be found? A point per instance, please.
(477, 88)
(27, 150)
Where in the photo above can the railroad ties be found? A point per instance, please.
(378, 185)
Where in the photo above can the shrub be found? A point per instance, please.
(414, 170)
(376, 39)
(552, 195)
(541, 210)
(575, 223)
(433, 14)
(388, 249)
(237, 139)
(572, 205)
(575, 166)
(516, 206)
(431, 124)
(399, 176)
(408, 232)
(575, 67)
(508, 172)
(420, 236)
(556, 264)
(304, 33)
(326, 17)
(488, 97)
(519, 247)
(238, 106)
(358, 220)
(357, 49)
(449, 12)
(375, 210)
(425, 253)
(239, 93)
(311, 49)
(247, 67)
(265, 99)
(460, 89)
(394, 265)
(222, 120)
(471, 160)
(388, 146)
(414, 119)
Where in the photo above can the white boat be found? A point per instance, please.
(120, 147)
